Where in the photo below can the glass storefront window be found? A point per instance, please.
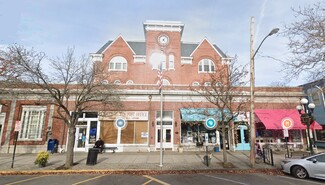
(197, 133)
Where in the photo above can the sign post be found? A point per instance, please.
(287, 123)
(17, 129)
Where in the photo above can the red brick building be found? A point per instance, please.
(134, 67)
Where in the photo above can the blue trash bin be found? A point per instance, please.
(50, 145)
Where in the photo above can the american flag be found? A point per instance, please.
(160, 78)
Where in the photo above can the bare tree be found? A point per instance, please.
(307, 42)
(225, 92)
(74, 85)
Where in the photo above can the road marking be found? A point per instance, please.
(302, 180)
(89, 179)
(17, 182)
(225, 179)
(156, 180)
(147, 182)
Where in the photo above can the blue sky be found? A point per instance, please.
(53, 26)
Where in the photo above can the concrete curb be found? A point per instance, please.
(142, 172)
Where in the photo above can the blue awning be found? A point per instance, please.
(201, 114)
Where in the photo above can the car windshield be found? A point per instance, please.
(312, 156)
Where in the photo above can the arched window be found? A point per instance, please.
(105, 82)
(165, 82)
(117, 82)
(206, 66)
(195, 84)
(118, 64)
(129, 82)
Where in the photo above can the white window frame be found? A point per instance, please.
(118, 63)
(206, 62)
(32, 120)
(195, 83)
(117, 82)
(171, 63)
(129, 82)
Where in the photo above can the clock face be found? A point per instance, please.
(163, 40)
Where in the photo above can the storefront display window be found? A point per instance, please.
(197, 133)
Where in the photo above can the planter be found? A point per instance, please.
(41, 165)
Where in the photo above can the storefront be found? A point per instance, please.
(194, 129)
(167, 126)
(86, 131)
(127, 130)
(272, 123)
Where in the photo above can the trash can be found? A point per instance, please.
(52, 145)
(216, 149)
(92, 156)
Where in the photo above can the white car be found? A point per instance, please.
(311, 166)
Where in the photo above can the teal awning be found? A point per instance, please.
(201, 114)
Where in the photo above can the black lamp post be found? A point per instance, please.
(305, 110)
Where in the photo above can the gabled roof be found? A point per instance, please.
(215, 47)
(139, 48)
(102, 49)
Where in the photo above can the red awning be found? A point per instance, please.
(272, 119)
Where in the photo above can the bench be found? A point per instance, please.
(110, 148)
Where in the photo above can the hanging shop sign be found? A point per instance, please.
(120, 123)
(287, 123)
(210, 124)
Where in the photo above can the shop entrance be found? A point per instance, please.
(242, 138)
(80, 142)
(86, 131)
(167, 137)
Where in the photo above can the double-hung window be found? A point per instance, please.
(32, 122)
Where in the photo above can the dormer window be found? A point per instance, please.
(206, 66)
(118, 64)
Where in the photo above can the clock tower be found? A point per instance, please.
(163, 38)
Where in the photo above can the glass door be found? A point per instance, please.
(242, 138)
(81, 137)
(167, 139)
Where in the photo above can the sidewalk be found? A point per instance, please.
(132, 161)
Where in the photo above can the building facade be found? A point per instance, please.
(147, 115)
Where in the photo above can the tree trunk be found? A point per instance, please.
(224, 150)
(71, 140)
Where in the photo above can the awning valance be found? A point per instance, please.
(201, 114)
(272, 119)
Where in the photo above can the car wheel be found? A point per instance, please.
(299, 172)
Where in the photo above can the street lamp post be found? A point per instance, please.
(252, 89)
(305, 110)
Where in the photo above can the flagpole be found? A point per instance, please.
(161, 128)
